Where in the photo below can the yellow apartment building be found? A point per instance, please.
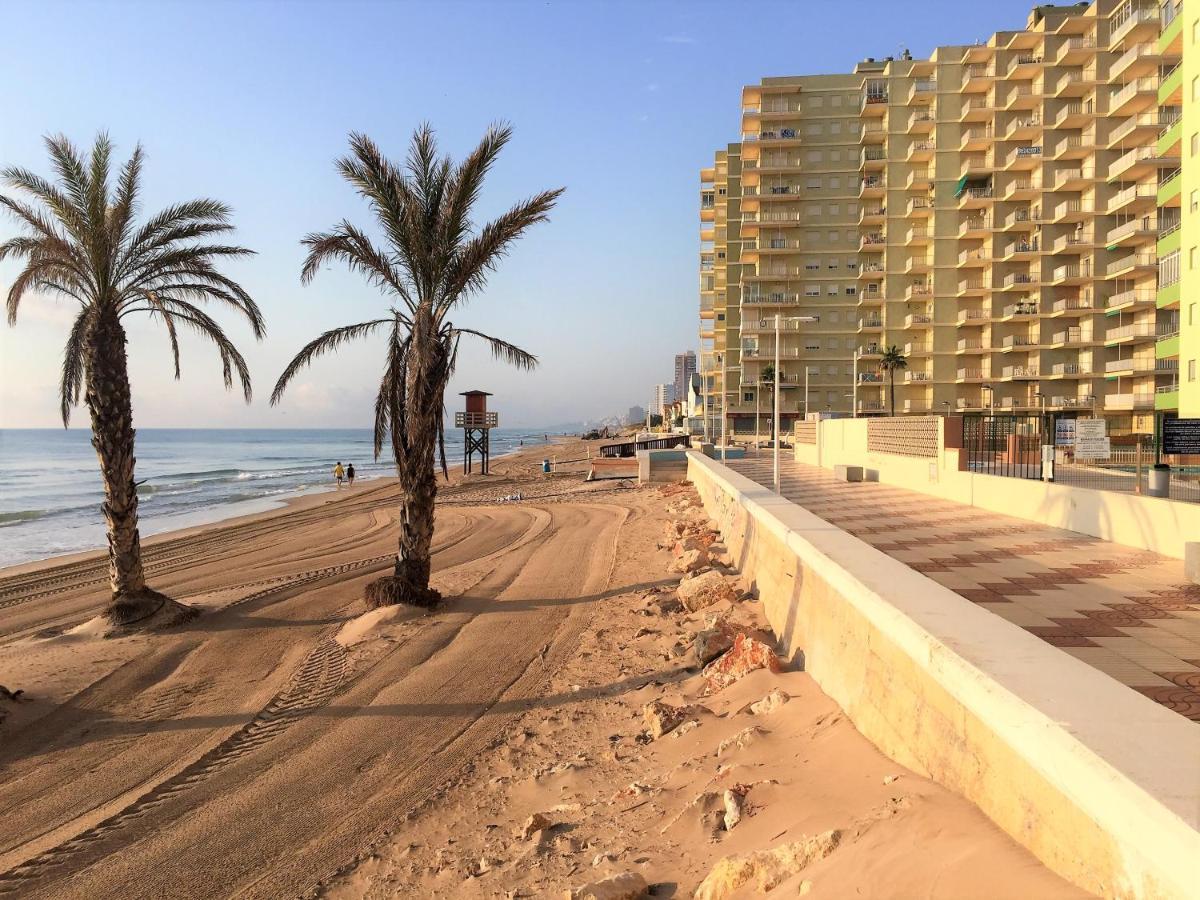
(1009, 215)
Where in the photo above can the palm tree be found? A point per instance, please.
(432, 263)
(81, 242)
(891, 360)
(765, 377)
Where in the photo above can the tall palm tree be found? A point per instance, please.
(891, 360)
(433, 261)
(81, 242)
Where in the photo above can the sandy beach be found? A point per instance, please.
(284, 743)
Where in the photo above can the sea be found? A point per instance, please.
(51, 493)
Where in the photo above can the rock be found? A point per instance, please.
(601, 858)
(806, 887)
(704, 590)
(626, 886)
(768, 704)
(659, 717)
(739, 741)
(745, 656)
(666, 605)
(767, 869)
(687, 726)
(691, 561)
(713, 640)
(888, 779)
(733, 809)
(535, 823)
(686, 545)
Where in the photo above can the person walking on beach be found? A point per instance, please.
(350, 474)
(339, 473)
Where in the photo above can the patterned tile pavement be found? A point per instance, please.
(1127, 612)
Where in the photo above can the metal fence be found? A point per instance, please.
(1012, 446)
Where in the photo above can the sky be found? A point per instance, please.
(621, 103)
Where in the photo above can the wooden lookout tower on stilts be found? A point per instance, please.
(476, 423)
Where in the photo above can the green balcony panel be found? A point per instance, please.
(1171, 33)
(1166, 400)
(1171, 137)
(1172, 84)
(1168, 296)
(1170, 190)
(1167, 349)
(1169, 243)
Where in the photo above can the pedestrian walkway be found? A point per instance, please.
(1129, 613)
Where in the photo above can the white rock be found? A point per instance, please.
(733, 809)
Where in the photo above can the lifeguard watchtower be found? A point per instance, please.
(476, 423)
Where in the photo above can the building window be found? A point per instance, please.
(814, 156)
(812, 292)
(835, 155)
(816, 102)
(1192, 258)
(835, 128)
(835, 100)
(814, 184)
(1168, 270)
(1195, 143)
(1192, 314)
(814, 128)
(851, 291)
(748, 397)
(833, 316)
(834, 183)
(832, 290)
(812, 266)
(1194, 201)
(1196, 88)
(832, 264)
(1191, 370)
(833, 236)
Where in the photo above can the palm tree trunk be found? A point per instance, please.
(108, 401)
(892, 389)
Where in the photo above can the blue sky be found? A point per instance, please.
(620, 102)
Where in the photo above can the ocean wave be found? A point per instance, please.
(21, 515)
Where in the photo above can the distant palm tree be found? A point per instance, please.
(767, 377)
(433, 262)
(81, 242)
(891, 360)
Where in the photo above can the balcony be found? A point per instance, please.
(917, 348)
(1132, 263)
(1139, 400)
(975, 109)
(1021, 220)
(1169, 187)
(1023, 158)
(1024, 309)
(1131, 21)
(1070, 337)
(922, 91)
(975, 197)
(970, 259)
(1068, 370)
(1142, 331)
(972, 375)
(1080, 242)
(1074, 51)
(1022, 189)
(978, 138)
(1072, 146)
(1133, 297)
(920, 123)
(1139, 60)
(872, 186)
(1020, 280)
(1022, 249)
(1143, 229)
(874, 103)
(872, 215)
(870, 350)
(1071, 211)
(1134, 97)
(918, 291)
(1074, 114)
(872, 133)
(973, 287)
(978, 77)
(870, 324)
(919, 263)
(872, 158)
(920, 206)
(975, 227)
(1075, 305)
(915, 320)
(1024, 127)
(920, 151)
(967, 345)
(1016, 373)
(777, 298)
(875, 239)
(1073, 273)
(918, 235)
(974, 317)
(911, 377)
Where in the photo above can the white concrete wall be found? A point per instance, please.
(1099, 782)
(1148, 523)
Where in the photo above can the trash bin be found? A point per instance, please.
(1159, 482)
(546, 466)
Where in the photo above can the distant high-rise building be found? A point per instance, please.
(1016, 217)
(636, 416)
(685, 368)
(664, 394)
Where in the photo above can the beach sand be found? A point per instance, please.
(288, 743)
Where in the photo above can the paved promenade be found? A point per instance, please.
(1127, 612)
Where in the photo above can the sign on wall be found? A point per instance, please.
(1181, 436)
(1064, 433)
(1091, 439)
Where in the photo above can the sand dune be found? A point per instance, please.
(262, 748)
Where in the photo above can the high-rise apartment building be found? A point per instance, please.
(685, 368)
(1009, 215)
(664, 396)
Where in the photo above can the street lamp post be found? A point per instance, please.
(775, 444)
(854, 387)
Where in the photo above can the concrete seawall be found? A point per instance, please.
(1100, 783)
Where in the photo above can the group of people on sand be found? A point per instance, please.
(344, 473)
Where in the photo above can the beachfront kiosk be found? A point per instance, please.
(476, 423)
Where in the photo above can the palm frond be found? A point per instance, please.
(73, 365)
(503, 350)
(326, 343)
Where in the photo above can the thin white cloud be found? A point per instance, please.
(652, 87)
(679, 39)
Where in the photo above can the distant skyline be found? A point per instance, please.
(622, 103)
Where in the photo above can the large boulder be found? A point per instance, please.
(766, 869)
(713, 641)
(704, 590)
(626, 886)
(691, 560)
(745, 656)
(768, 704)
